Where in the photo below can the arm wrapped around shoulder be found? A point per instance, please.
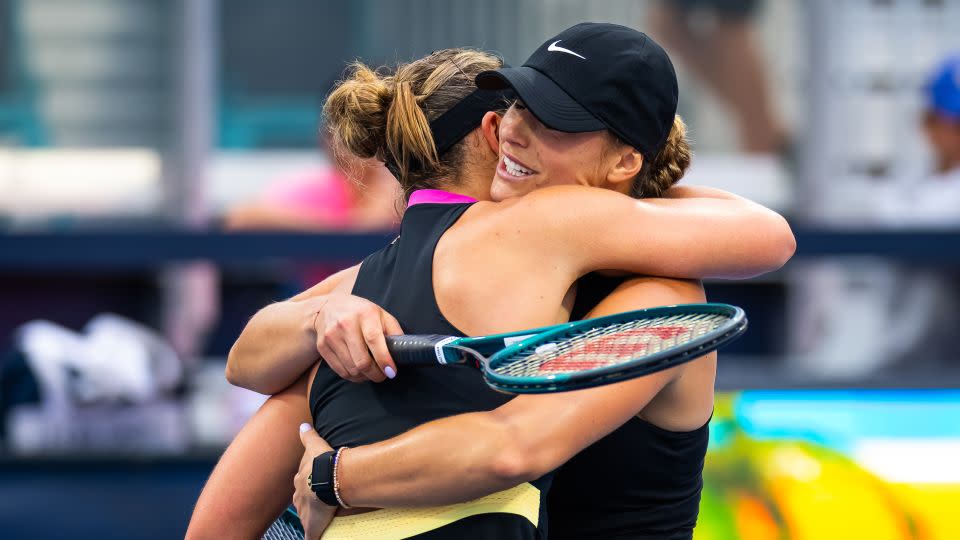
(689, 237)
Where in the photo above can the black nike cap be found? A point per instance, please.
(596, 76)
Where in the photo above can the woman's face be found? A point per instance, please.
(533, 156)
(943, 134)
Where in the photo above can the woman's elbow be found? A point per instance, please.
(232, 371)
(237, 376)
(517, 462)
(232, 376)
(773, 247)
(784, 244)
(513, 467)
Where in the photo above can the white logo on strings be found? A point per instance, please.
(553, 48)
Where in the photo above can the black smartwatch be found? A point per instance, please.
(321, 479)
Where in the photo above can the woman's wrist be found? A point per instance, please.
(312, 309)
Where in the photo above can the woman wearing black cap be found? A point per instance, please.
(460, 242)
(601, 89)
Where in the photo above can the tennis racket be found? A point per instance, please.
(286, 527)
(581, 354)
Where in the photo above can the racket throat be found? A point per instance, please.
(455, 354)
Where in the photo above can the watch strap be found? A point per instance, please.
(321, 479)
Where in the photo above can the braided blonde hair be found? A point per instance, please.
(657, 175)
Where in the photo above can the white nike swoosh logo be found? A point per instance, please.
(553, 48)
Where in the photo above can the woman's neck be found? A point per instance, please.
(471, 182)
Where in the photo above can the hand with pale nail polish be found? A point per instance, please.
(314, 515)
(351, 338)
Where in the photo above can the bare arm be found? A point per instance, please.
(469, 455)
(707, 233)
(280, 343)
(252, 482)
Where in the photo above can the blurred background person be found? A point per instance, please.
(347, 195)
(905, 314)
(926, 311)
(934, 200)
(716, 41)
(942, 121)
(344, 194)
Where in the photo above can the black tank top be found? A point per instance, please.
(399, 278)
(641, 481)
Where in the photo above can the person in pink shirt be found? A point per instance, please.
(324, 199)
(349, 195)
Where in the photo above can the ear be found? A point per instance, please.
(490, 129)
(629, 160)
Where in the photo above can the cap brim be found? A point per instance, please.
(547, 101)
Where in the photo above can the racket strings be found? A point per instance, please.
(286, 527)
(611, 344)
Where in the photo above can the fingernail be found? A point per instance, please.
(304, 427)
(389, 372)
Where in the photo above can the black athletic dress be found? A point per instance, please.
(641, 481)
(399, 278)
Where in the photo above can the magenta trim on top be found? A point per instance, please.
(422, 196)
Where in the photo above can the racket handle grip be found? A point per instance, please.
(417, 349)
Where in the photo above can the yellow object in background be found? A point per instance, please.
(823, 495)
(934, 507)
(780, 488)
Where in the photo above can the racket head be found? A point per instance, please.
(614, 348)
(286, 527)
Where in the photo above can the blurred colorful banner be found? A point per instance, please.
(817, 465)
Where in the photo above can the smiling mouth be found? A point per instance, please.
(514, 169)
